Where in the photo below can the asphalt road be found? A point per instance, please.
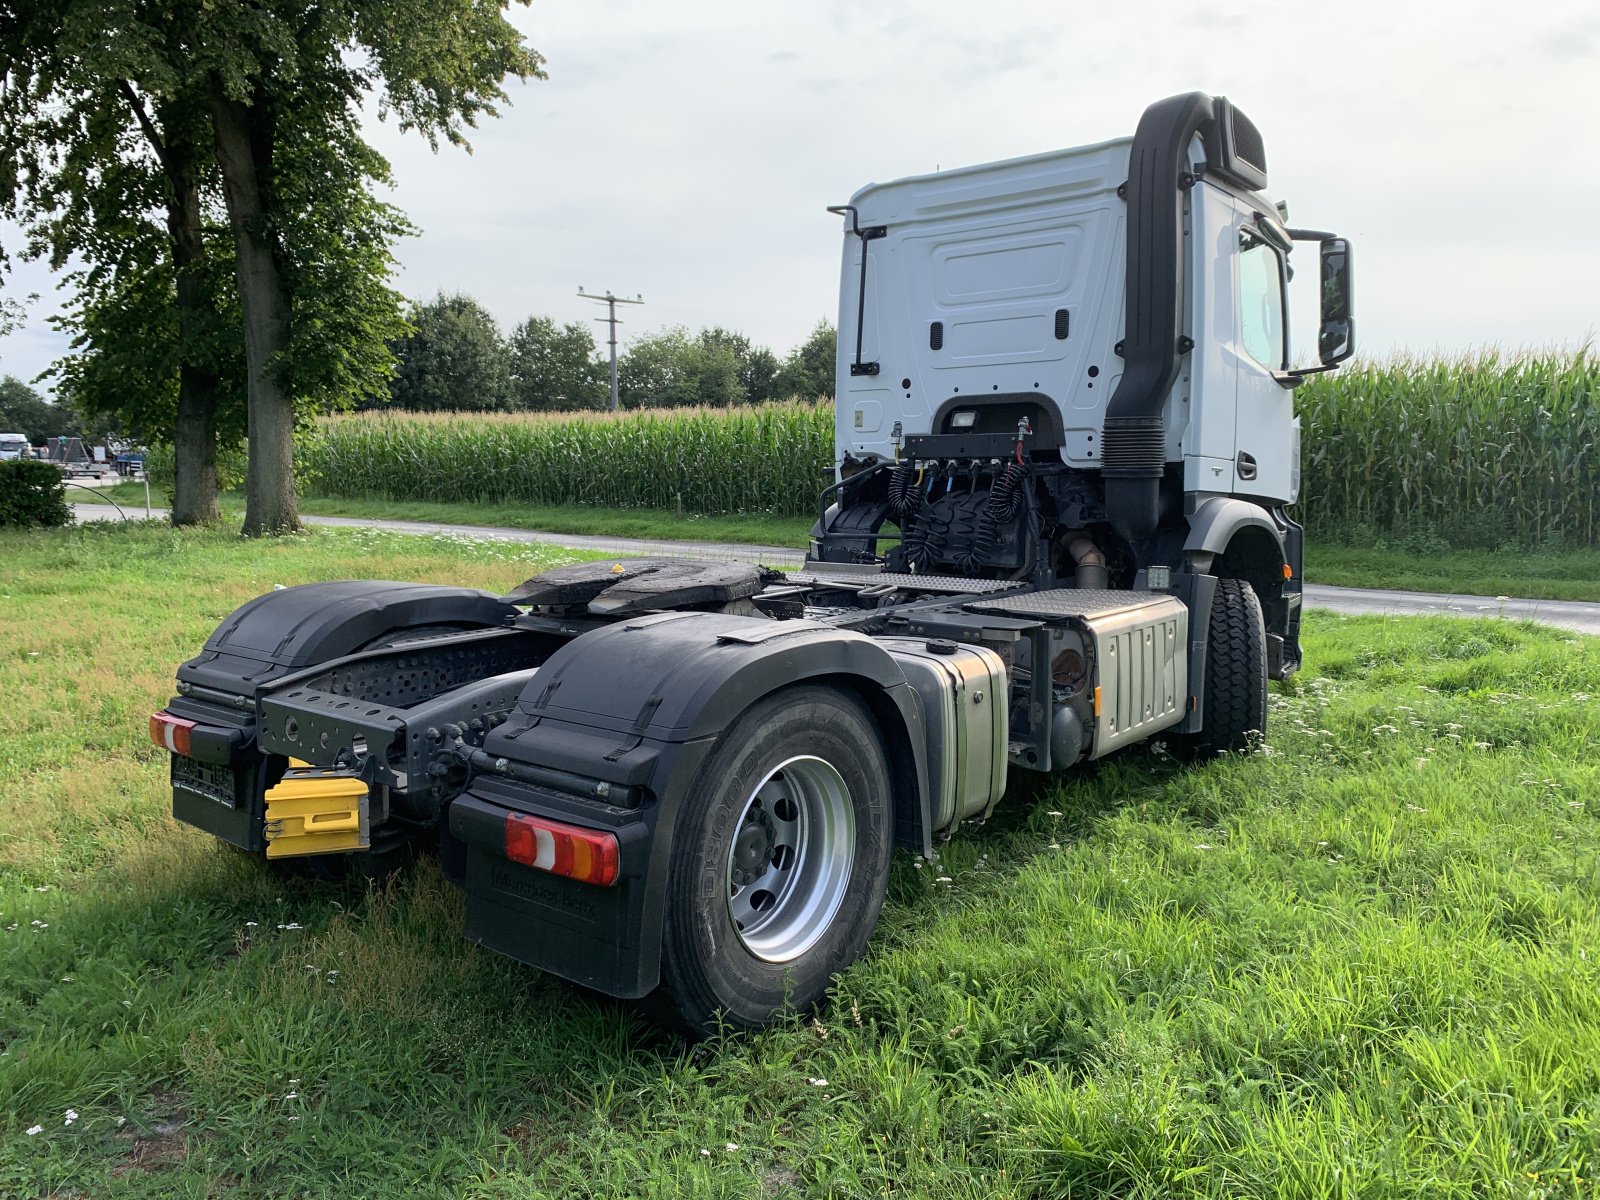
(1582, 616)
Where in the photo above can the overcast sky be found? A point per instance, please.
(686, 150)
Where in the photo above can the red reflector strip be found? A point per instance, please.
(562, 849)
(170, 732)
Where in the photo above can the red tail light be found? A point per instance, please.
(562, 849)
(170, 732)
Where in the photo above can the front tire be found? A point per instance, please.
(779, 863)
(1236, 673)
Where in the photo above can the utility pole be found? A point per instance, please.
(611, 303)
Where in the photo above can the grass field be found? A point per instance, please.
(1364, 962)
(1537, 575)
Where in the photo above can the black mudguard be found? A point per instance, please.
(297, 627)
(637, 706)
(271, 637)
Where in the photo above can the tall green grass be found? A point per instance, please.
(767, 459)
(1479, 450)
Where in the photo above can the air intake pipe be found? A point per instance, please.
(1133, 455)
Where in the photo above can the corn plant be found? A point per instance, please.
(1482, 449)
(766, 459)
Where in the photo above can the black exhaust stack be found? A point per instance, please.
(1133, 454)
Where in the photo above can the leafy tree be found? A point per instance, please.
(554, 368)
(277, 87)
(111, 179)
(454, 359)
(111, 117)
(669, 369)
(755, 367)
(284, 76)
(808, 371)
(23, 410)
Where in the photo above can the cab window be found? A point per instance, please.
(1261, 324)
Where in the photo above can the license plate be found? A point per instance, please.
(204, 779)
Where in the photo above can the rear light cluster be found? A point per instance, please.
(562, 849)
(170, 732)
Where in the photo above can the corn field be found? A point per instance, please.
(1478, 451)
(766, 459)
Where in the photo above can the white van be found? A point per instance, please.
(14, 445)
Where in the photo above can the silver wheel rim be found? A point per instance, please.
(790, 859)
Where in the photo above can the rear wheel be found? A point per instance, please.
(779, 863)
(1236, 673)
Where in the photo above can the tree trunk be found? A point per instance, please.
(194, 438)
(244, 151)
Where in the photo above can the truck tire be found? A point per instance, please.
(1236, 673)
(779, 863)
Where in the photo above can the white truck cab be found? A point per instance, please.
(1116, 317)
(14, 445)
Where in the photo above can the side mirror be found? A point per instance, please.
(1336, 338)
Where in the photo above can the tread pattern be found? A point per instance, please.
(1236, 670)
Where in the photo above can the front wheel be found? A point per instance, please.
(1236, 674)
(779, 863)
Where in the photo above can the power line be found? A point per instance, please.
(611, 303)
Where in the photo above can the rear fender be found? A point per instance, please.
(640, 704)
(298, 627)
(266, 641)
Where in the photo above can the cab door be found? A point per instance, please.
(1267, 439)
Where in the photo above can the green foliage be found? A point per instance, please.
(32, 493)
(808, 372)
(765, 459)
(1359, 963)
(452, 360)
(1571, 573)
(231, 465)
(337, 235)
(670, 369)
(114, 114)
(1478, 451)
(755, 367)
(23, 410)
(12, 312)
(554, 369)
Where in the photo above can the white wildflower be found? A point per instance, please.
(33, 1129)
(72, 1115)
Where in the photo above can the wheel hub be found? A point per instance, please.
(790, 858)
(752, 848)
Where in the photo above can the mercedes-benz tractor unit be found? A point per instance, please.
(1058, 525)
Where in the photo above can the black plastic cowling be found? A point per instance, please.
(1133, 457)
